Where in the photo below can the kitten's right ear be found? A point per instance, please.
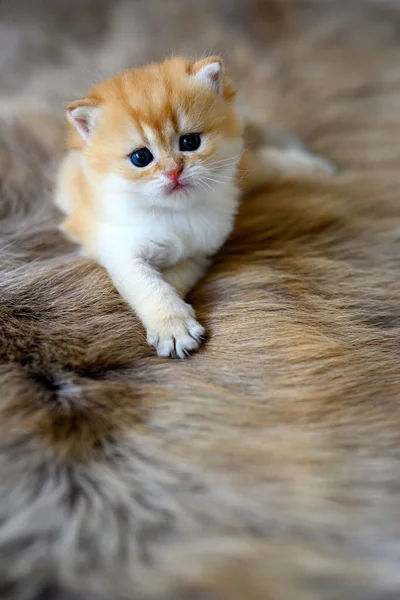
(82, 114)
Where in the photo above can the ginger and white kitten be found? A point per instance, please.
(149, 186)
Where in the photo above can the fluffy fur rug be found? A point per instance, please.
(268, 465)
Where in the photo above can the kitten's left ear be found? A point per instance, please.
(211, 73)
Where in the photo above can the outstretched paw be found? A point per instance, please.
(177, 335)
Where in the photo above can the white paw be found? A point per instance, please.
(311, 163)
(323, 165)
(176, 335)
(296, 163)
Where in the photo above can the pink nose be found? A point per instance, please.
(174, 174)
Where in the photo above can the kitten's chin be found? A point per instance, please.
(178, 198)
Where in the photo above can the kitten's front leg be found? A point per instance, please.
(184, 275)
(169, 321)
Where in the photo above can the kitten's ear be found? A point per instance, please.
(82, 114)
(211, 73)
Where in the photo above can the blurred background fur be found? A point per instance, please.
(268, 465)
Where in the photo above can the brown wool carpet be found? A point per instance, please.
(268, 465)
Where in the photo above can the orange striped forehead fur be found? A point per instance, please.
(160, 101)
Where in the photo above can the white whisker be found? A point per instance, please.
(224, 160)
(219, 178)
(203, 187)
(202, 181)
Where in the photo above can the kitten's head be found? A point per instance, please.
(164, 135)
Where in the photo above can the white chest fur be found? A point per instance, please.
(163, 235)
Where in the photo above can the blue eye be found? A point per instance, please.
(189, 142)
(141, 158)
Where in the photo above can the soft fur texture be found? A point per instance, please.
(267, 466)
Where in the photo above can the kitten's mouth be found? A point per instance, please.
(177, 186)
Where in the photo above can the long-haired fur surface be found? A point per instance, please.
(266, 466)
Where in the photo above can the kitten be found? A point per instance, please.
(149, 186)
